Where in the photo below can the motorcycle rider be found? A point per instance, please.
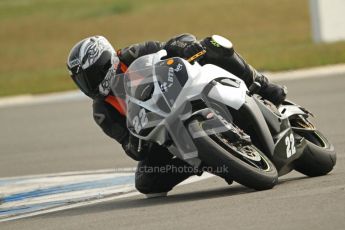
(93, 61)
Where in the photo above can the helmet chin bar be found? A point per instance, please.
(104, 86)
(222, 41)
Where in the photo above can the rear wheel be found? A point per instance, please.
(241, 162)
(319, 156)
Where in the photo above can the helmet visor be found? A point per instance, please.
(89, 79)
(82, 82)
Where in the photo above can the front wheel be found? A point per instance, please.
(243, 163)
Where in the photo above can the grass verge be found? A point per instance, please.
(36, 35)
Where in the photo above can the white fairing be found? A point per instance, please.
(233, 97)
(200, 76)
(287, 111)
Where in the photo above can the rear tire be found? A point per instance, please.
(319, 156)
(259, 174)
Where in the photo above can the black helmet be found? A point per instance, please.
(91, 63)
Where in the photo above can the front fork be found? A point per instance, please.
(214, 123)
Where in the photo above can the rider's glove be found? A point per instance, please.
(136, 150)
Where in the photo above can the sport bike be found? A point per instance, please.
(208, 117)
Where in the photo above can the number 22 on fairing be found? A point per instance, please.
(140, 121)
(290, 145)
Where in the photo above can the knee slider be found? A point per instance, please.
(219, 41)
(218, 46)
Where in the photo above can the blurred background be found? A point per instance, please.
(36, 35)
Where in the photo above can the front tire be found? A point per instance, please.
(256, 172)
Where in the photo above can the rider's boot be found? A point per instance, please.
(270, 91)
(220, 52)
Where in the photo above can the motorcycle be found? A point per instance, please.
(207, 116)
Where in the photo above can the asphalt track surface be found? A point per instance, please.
(60, 137)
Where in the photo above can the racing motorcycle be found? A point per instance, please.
(207, 116)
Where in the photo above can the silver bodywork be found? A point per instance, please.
(169, 125)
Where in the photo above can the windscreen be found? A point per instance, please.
(169, 76)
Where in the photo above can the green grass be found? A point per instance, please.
(36, 35)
